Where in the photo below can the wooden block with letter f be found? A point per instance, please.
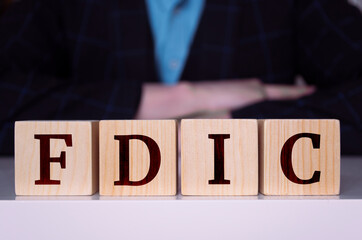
(219, 157)
(138, 157)
(299, 157)
(56, 157)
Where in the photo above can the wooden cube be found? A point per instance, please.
(299, 157)
(56, 157)
(219, 157)
(138, 157)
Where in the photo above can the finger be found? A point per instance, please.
(285, 92)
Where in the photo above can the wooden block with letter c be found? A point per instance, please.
(299, 157)
(56, 157)
(138, 157)
(219, 157)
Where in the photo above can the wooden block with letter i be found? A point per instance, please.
(219, 157)
(138, 157)
(299, 157)
(56, 157)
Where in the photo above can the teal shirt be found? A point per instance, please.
(173, 24)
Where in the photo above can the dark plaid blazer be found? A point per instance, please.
(87, 59)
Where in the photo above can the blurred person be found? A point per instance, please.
(149, 59)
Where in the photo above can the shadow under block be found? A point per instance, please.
(56, 157)
(130, 153)
(310, 159)
(205, 143)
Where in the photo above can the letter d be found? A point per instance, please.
(155, 159)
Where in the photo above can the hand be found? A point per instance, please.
(234, 94)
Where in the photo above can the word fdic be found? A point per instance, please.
(139, 157)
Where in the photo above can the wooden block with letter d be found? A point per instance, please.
(299, 157)
(56, 157)
(138, 157)
(219, 157)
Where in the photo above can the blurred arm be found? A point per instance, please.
(210, 98)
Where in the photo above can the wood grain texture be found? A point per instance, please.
(240, 157)
(163, 132)
(79, 177)
(305, 159)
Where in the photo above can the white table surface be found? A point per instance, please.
(179, 217)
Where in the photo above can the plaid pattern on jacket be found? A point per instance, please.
(87, 59)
